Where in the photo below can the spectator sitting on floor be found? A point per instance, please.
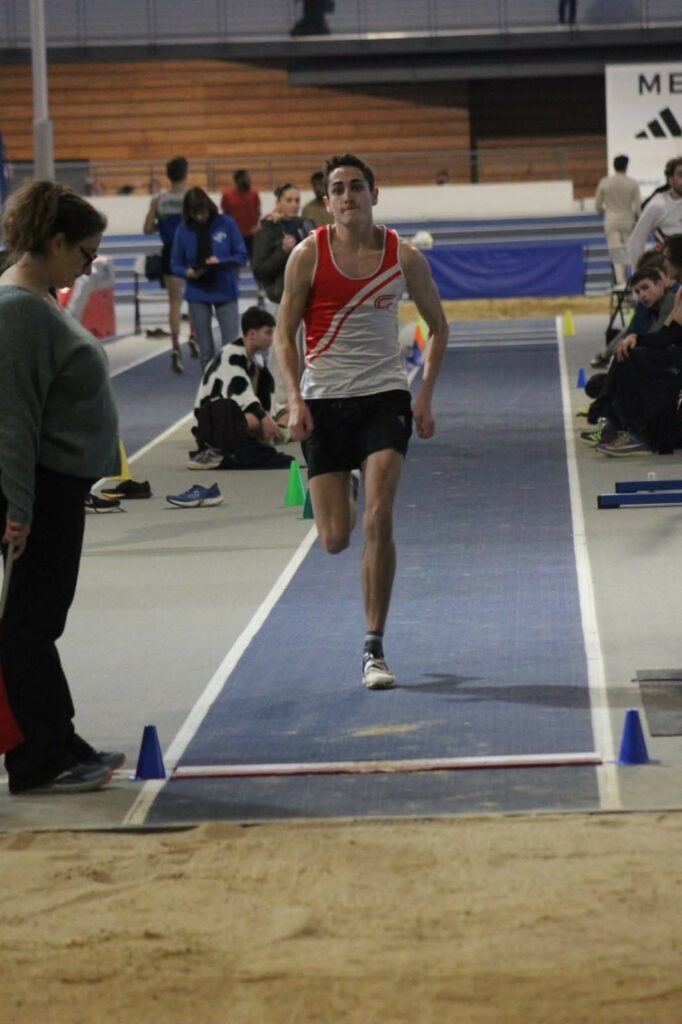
(644, 319)
(640, 322)
(234, 399)
(642, 388)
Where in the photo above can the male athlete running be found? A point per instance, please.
(352, 409)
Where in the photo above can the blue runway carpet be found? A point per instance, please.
(484, 632)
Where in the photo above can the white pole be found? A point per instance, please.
(43, 148)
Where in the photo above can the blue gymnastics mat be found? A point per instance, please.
(484, 632)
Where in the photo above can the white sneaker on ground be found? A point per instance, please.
(375, 673)
(208, 458)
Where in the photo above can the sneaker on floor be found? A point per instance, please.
(600, 361)
(193, 346)
(598, 436)
(375, 673)
(128, 489)
(591, 437)
(208, 458)
(82, 778)
(624, 445)
(93, 503)
(176, 361)
(196, 496)
(111, 759)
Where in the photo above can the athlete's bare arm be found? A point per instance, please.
(149, 226)
(425, 295)
(298, 278)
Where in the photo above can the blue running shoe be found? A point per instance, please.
(196, 496)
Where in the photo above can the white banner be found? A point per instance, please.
(644, 118)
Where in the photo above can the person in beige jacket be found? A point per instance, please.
(619, 199)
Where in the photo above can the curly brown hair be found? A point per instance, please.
(39, 210)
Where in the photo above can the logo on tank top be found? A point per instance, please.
(385, 301)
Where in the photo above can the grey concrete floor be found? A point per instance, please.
(166, 593)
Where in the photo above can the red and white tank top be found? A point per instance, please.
(352, 326)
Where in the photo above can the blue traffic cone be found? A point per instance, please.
(633, 745)
(582, 378)
(150, 762)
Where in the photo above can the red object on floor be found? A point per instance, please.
(10, 733)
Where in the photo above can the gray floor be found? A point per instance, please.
(166, 593)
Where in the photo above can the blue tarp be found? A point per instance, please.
(501, 271)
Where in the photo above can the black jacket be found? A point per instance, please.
(269, 258)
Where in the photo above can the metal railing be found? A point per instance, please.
(581, 162)
(73, 23)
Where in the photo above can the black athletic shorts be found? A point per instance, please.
(166, 260)
(347, 430)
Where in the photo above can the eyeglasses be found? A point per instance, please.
(89, 257)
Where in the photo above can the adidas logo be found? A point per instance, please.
(656, 130)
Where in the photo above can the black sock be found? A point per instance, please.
(374, 644)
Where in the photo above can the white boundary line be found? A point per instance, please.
(160, 437)
(138, 812)
(607, 778)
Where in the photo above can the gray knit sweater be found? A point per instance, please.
(57, 408)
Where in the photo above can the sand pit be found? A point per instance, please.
(488, 920)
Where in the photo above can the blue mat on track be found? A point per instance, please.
(150, 398)
(484, 631)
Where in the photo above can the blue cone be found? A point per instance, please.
(150, 762)
(633, 745)
(582, 379)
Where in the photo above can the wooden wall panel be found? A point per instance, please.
(228, 111)
(235, 113)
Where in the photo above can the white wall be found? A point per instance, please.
(429, 202)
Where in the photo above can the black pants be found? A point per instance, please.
(643, 391)
(41, 592)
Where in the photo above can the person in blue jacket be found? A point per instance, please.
(208, 251)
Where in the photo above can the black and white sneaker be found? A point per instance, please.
(375, 673)
(93, 503)
(82, 778)
(111, 759)
(128, 489)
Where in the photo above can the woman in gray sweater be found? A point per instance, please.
(58, 434)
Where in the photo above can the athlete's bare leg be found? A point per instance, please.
(334, 508)
(381, 476)
(174, 289)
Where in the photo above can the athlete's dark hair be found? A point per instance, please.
(348, 160)
(39, 210)
(176, 169)
(650, 258)
(621, 163)
(195, 201)
(672, 250)
(281, 189)
(254, 318)
(646, 273)
(672, 165)
(242, 179)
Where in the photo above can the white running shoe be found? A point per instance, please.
(375, 673)
(208, 458)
